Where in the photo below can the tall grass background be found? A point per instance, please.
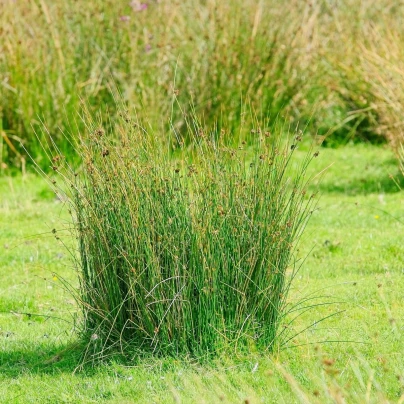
(336, 66)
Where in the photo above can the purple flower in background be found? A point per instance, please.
(138, 6)
(147, 48)
(124, 18)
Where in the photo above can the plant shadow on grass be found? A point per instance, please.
(364, 184)
(54, 359)
(41, 359)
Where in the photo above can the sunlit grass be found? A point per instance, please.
(355, 262)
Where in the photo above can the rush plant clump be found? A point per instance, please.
(185, 250)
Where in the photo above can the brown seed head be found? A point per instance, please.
(328, 362)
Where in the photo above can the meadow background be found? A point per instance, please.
(333, 69)
(336, 66)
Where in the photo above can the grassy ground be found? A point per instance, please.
(356, 264)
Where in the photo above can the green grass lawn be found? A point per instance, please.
(354, 270)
